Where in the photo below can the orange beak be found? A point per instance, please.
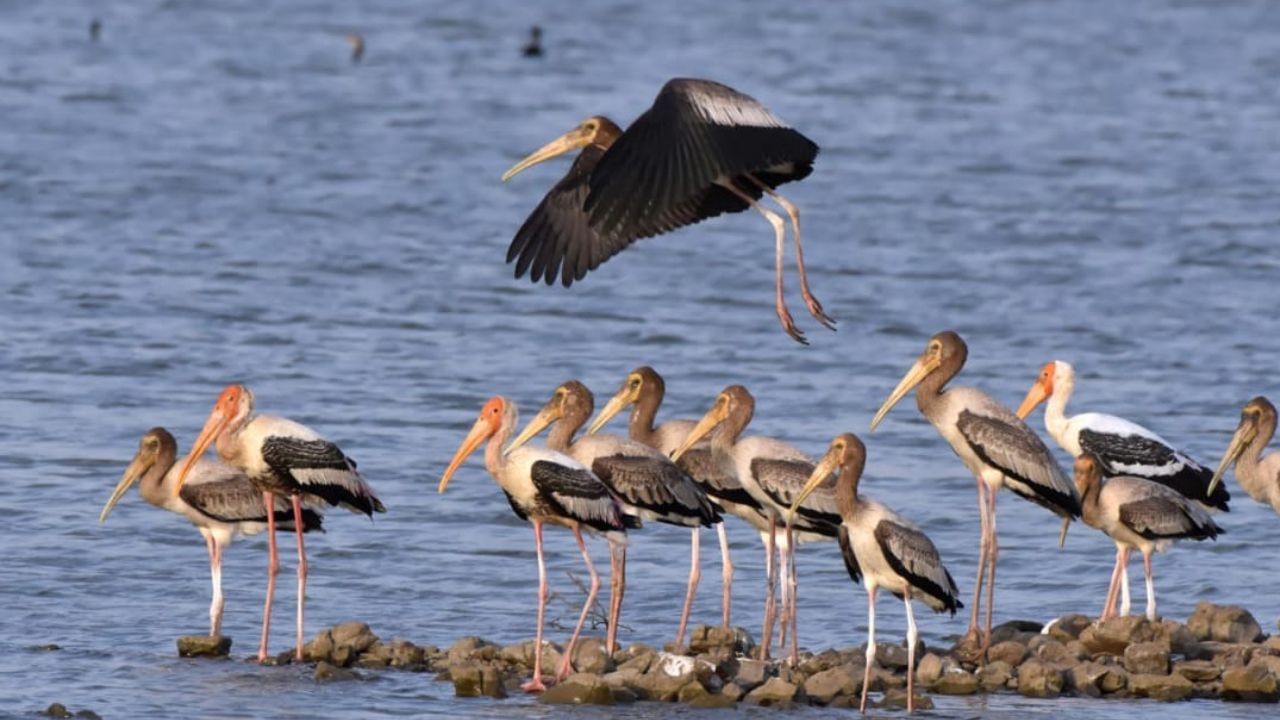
(1036, 395)
(480, 432)
(213, 427)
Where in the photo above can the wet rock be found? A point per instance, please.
(474, 679)
(1114, 680)
(896, 699)
(1039, 679)
(1224, 623)
(1147, 658)
(720, 701)
(47, 647)
(955, 681)
(1197, 670)
(1114, 635)
(692, 691)
(326, 673)
(1020, 630)
(1271, 644)
(1055, 653)
(340, 645)
(891, 657)
(775, 691)
(825, 686)
(1223, 654)
(1272, 662)
(824, 660)
(88, 715)
(1067, 627)
(474, 648)
(639, 662)
(579, 689)
(995, 675)
(656, 686)
(1180, 640)
(204, 646)
(1085, 678)
(405, 655)
(1010, 652)
(929, 669)
(520, 654)
(734, 691)
(57, 710)
(1252, 683)
(706, 637)
(752, 674)
(590, 656)
(1161, 687)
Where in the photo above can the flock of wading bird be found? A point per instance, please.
(1129, 483)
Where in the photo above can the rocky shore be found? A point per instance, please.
(1219, 653)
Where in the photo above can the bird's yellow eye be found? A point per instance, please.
(635, 382)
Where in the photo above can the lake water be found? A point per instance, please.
(215, 193)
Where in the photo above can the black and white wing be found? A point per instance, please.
(577, 494)
(319, 468)
(1125, 448)
(656, 488)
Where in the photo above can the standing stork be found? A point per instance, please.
(773, 472)
(543, 486)
(218, 499)
(882, 547)
(994, 444)
(649, 485)
(1137, 513)
(644, 389)
(1122, 447)
(702, 149)
(282, 459)
(1258, 475)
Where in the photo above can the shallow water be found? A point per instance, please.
(213, 194)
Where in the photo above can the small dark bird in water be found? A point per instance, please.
(95, 30)
(534, 47)
(357, 46)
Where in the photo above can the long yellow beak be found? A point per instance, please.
(714, 417)
(1035, 395)
(571, 140)
(547, 415)
(136, 469)
(616, 404)
(826, 466)
(479, 432)
(1062, 536)
(214, 426)
(923, 366)
(1243, 436)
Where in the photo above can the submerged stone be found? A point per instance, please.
(204, 646)
(579, 689)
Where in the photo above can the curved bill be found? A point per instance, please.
(1239, 441)
(547, 415)
(136, 468)
(1036, 395)
(1062, 535)
(479, 432)
(616, 404)
(826, 466)
(213, 427)
(571, 140)
(926, 364)
(714, 417)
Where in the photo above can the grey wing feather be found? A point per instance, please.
(782, 481)
(657, 486)
(1007, 444)
(913, 555)
(697, 463)
(232, 498)
(1168, 516)
(577, 494)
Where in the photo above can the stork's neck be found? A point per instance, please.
(1055, 411)
(152, 486)
(493, 457)
(1251, 473)
(643, 413)
(930, 390)
(228, 441)
(1090, 511)
(847, 490)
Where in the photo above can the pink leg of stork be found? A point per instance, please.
(302, 570)
(771, 586)
(726, 572)
(780, 239)
(793, 212)
(1108, 608)
(695, 573)
(971, 635)
(273, 568)
(617, 586)
(566, 663)
(535, 684)
(993, 551)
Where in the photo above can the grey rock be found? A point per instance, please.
(520, 654)
(734, 692)
(955, 681)
(473, 648)
(590, 656)
(204, 646)
(657, 686)
(719, 701)
(578, 689)
(1114, 680)
(1147, 658)
(57, 710)
(995, 675)
(1224, 623)
(1055, 653)
(752, 674)
(1086, 678)
(775, 691)
(327, 673)
(1116, 634)
(340, 645)
(929, 669)
(1176, 635)
(706, 637)
(825, 686)
(1021, 630)
(1010, 652)
(473, 679)
(1223, 654)
(691, 692)
(1068, 627)
(1252, 683)
(891, 657)
(1197, 670)
(1039, 679)
(87, 714)
(896, 699)
(1168, 688)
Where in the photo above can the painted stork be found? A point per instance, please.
(218, 499)
(543, 487)
(883, 548)
(282, 459)
(644, 389)
(1258, 475)
(356, 41)
(773, 472)
(649, 485)
(701, 150)
(1121, 446)
(994, 444)
(533, 48)
(1137, 514)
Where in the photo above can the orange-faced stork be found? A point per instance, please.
(218, 499)
(1258, 475)
(702, 149)
(1137, 514)
(1122, 447)
(649, 485)
(882, 548)
(644, 390)
(773, 472)
(994, 444)
(543, 487)
(283, 459)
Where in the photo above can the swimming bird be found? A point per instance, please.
(883, 548)
(702, 149)
(534, 47)
(993, 443)
(543, 487)
(1122, 447)
(649, 485)
(218, 499)
(1258, 475)
(1137, 514)
(283, 459)
(356, 41)
(644, 390)
(772, 472)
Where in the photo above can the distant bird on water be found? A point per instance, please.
(95, 30)
(217, 498)
(701, 150)
(356, 41)
(534, 47)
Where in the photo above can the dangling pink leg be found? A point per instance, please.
(971, 635)
(566, 663)
(815, 307)
(535, 683)
(695, 573)
(993, 551)
(771, 586)
(302, 569)
(273, 568)
(726, 572)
